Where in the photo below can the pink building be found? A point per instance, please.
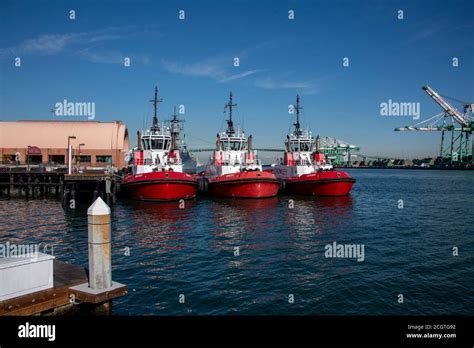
(95, 143)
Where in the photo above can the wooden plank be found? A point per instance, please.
(40, 307)
(36, 302)
(86, 177)
(65, 276)
(103, 297)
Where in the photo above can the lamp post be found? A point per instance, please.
(28, 156)
(69, 153)
(79, 150)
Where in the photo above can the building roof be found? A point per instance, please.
(54, 134)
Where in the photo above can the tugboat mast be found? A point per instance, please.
(297, 125)
(155, 102)
(175, 116)
(230, 124)
(175, 129)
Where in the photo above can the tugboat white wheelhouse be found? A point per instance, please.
(156, 166)
(234, 170)
(304, 170)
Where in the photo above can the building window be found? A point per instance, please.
(34, 159)
(103, 159)
(8, 159)
(56, 159)
(84, 159)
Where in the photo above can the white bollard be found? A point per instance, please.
(100, 259)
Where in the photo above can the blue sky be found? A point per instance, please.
(191, 61)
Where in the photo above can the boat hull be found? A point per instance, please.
(251, 184)
(161, 186)
(332, 183)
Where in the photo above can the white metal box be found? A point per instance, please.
(23, 275)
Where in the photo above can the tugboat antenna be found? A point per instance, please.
(230, 123)
(155, 102)
(175, 117)
(297, 124)
(175, 128)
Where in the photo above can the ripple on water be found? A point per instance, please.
(281, 250)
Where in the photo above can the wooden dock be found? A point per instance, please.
(31, 184)
(87, 186)
(61, 296)
(97, 184)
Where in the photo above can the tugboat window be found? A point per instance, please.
(295, 146)
(156, 144)
(235, 145)
(146, 144)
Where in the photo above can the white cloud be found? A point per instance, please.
(47, 44)
(51, 44)
(211, 69)
(205, 69)
(241, 75)
(111, 57)
(305, 86)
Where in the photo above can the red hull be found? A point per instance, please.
(160, 186)
(245, 185)
(332, 183)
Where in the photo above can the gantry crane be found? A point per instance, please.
(451, 120)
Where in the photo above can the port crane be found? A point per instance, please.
(460, 125)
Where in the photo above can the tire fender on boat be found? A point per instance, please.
(203, 184)
(282, 185)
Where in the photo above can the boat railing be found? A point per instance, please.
(232, 162)
(303, 162)
(238, 133)
(253, 162)
(174, 160)
(306, 134)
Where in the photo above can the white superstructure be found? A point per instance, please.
(301, 153)
(233, 152)
(157, 148)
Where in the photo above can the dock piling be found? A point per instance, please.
(11, 187)
(100, 261)
(100, 289)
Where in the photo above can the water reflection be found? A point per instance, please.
(239, 222)
(191, 250)
(151, 225)
(164, 212)
(313, 215)
(44, 221)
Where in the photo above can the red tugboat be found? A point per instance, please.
(305, 170)
(156, 167)
(234, 170)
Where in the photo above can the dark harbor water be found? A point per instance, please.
(191, 251)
